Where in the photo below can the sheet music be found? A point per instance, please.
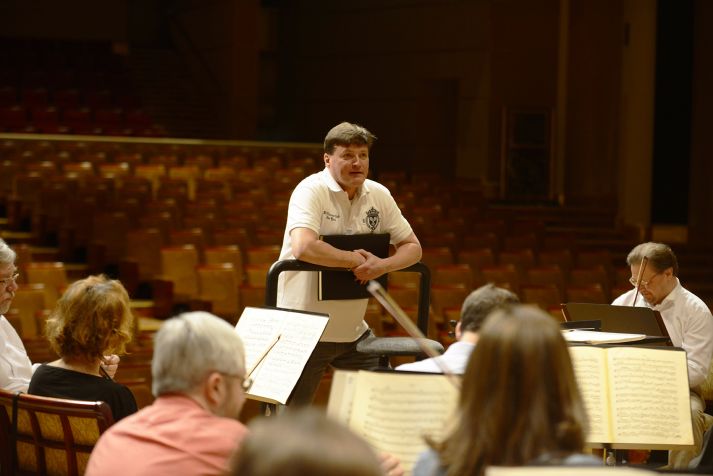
(395, 412)
(596, 337)
(278, 373)
(590, 371)
(341, 395)
(650, 396)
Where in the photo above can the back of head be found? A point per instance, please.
(346, 134)
(92, 318)
(190, 346)
(519, 399)
(7, 254)
(303, 443)
(481, 302)
(660, 256)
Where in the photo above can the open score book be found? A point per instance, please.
(289, 337)
(635, 397)
(394, 411)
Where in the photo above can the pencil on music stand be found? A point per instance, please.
(262, 356)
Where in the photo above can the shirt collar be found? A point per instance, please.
(670, 299)
(335, 187)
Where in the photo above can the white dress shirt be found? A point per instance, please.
(689, 324)
(455, 358)
(15, 366)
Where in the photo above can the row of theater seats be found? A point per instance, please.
(84, 120)
(76, 89)
(65, 98)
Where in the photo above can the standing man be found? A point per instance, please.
(340, 200)
(688, 321)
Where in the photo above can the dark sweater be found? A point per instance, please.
(57, 382)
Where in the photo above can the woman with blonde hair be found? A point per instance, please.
(519, 404)
(91, 319)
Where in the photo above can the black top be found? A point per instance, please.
(48, 381)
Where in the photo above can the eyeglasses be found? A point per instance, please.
(6, 281)
(245, 382)
(642, 283)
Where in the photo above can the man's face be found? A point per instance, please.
(349, 166)
(655, 285)
(234, 399)
(7, 287)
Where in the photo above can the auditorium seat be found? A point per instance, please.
(504, 275)
(453, 274)
(219, 285)
(560, 257)
(143, 246)
(447, 296)
(405, 278)
(589, 258)
(517, 242)
(481, 240)
(152, 173)
(544, 296)
(523, 260)
(433, 257)
(55, 436)
(190, 236)
(233, 236)
(591, 275)
(178, 265)
(28, 301)
(53, 275)
(256, 274)
(546, 275)
(477, 258)
(405, 296)
(110, 230)
(262, 254)
(593, 293)
(188, 174)
(226, 254)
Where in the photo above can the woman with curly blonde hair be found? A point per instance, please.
(91, 319)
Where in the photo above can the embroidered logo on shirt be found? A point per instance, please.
(372, 218)
(330, 216)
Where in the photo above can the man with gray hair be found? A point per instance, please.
(199, 380)
(476, 307)
(15, 365)
(654, 276)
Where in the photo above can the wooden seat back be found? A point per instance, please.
(54, 436)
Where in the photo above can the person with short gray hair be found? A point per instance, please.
(477, 306)
(654, 277)
(199, 381)
(15, 365)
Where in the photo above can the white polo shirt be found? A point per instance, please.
(689, 324)
(320, 204)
